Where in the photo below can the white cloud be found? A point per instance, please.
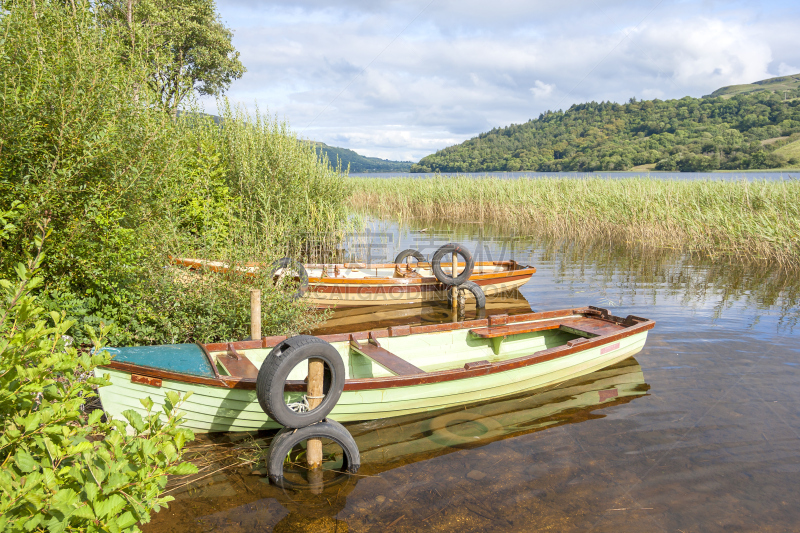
(787, 70)
(542, 90)
(393, 80)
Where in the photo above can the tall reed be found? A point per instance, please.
(291, 199)
(751, 220)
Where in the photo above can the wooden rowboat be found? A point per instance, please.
(359, 284)
(391, 372)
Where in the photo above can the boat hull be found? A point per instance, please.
(213, 409)
(326, 295)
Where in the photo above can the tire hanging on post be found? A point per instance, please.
(448, 250)
(409, 253)
(287, 263)
(276, 368)
(286, 439)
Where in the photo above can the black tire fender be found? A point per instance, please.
(276, 368)
(409, 253)
(286, 439)
(475, 289)
(291, 264)
(447, 250)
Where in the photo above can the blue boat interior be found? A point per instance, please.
(182, 358)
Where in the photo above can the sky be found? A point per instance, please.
(402, 79)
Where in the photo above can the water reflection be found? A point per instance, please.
(387, 445)
(610, 275)
(711, 446)
(382, 316)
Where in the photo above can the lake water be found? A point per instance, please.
(700, 432)
(726, 176)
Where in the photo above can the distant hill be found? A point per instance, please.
(744, 127)
(777, 85)
(360, 163)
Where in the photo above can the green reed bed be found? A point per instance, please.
(751, 220)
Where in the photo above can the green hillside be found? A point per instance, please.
(790, 150)
(359, 163)
(690, 134)
(777, 85)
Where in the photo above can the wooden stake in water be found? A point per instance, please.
(316, 375)
(255, 314)
(454, 289)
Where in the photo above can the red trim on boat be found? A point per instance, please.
(632, 324)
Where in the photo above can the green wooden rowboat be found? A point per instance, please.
(390, 372)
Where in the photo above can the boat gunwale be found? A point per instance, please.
(497, 277)
(633, 325)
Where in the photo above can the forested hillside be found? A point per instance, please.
(360, 163)
(690, 134)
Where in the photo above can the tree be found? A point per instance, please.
(186, 43)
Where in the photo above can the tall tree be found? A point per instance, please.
(185, 41)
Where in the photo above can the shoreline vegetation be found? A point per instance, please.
(750, 221)
(89, 144)
(101, 181)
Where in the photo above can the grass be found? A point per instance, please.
(791, 150)
(748, 220)
(779, 85)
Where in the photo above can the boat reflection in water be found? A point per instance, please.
(389, 444)
(384, 443)
(510, 302)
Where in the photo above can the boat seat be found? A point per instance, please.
(592, 326)
(237, 365)
(492, 332)
(384, 357)
(577, 325)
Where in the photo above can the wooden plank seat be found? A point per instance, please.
(592, 326)
(237, 365)
(589, 326)
(492, 332)
(384, 357)
(578, 325)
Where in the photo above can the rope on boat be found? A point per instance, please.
(303, 407)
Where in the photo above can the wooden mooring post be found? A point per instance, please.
(314, 395)
(454, 289)
(255, 314)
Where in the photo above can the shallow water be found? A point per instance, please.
(700, 432)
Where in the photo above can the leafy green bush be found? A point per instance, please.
(61, 469)
(86, 144)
